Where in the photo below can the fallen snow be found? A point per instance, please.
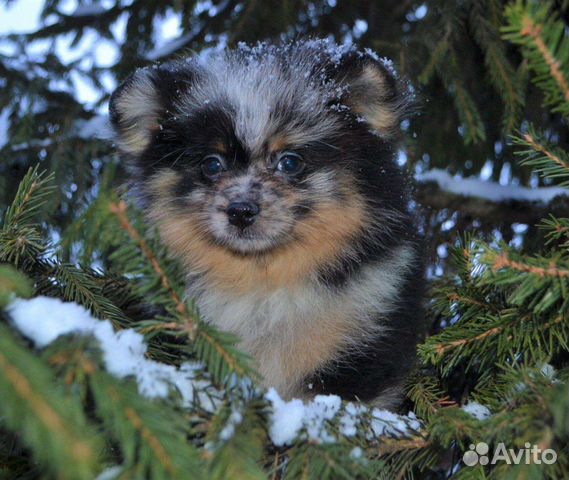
(473, 187)
(351, 419)
(387, 423)
(286, 420)
(4, 126)
(548, 371)
(477, 410)
(44, 319)
(312, 420)
(110, 473)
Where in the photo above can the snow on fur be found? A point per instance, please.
(44, 319)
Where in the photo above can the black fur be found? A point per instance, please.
(345, 106)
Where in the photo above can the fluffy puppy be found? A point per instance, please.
(270, 172)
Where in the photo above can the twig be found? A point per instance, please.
(534, 31)
(120, 210)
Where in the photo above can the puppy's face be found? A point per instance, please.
(255, 150)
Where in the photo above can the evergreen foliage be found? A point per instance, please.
(495, 369)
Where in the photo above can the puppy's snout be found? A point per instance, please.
(242, 214)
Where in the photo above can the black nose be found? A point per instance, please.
(242, 214)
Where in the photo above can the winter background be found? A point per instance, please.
(61, 59)
(79, 51)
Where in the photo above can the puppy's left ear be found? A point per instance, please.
(375, 93)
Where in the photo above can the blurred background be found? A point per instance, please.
(61, 59)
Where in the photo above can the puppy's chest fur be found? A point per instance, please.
(295, 330)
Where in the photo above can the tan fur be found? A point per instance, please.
(278, 143)
(219, 147)
(381, 115)
(139, 115)
(286, 321)
(293, 331)
(319, 240)
(299, 352)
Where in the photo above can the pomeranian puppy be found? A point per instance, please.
(271, 172)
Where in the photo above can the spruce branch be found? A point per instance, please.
(21, 242)
(503, 260)
(52, 425)
(147, 436)
(500, 71)
(427, 394)
(436, 58)
(30, 198)
(468, 112)
(13, 283)
(81, 285)
(237, 437)
(151, 440)
(216, 349)
(535, 32)
(540, 34)
(120, 210)
(550, 161)
(557, 230)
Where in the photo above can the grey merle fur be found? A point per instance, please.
(340, 109)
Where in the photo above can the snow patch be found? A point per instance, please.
(287, 418)
(494, 192)
(388, 423)
(477, 410)
(356, 453)
(44, 319)
(294, 419)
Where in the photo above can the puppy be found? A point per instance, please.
(270, 172)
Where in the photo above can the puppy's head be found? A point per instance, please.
(261, 148)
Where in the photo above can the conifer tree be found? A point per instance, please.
(138, 386)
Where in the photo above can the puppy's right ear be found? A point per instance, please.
(135, 110)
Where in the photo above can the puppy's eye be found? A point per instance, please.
(290, 163)
(213, 165)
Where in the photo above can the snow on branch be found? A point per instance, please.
(44, 319)
(312, 420)
(324, 419)
(489, 201)
(491, 191)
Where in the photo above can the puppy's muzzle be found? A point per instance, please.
(242, 214)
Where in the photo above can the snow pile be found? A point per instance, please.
(44, 319)
(494, 192)
(351, 418)
(477, 410)
(286, 420)
(384, 422)
(312, 421)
